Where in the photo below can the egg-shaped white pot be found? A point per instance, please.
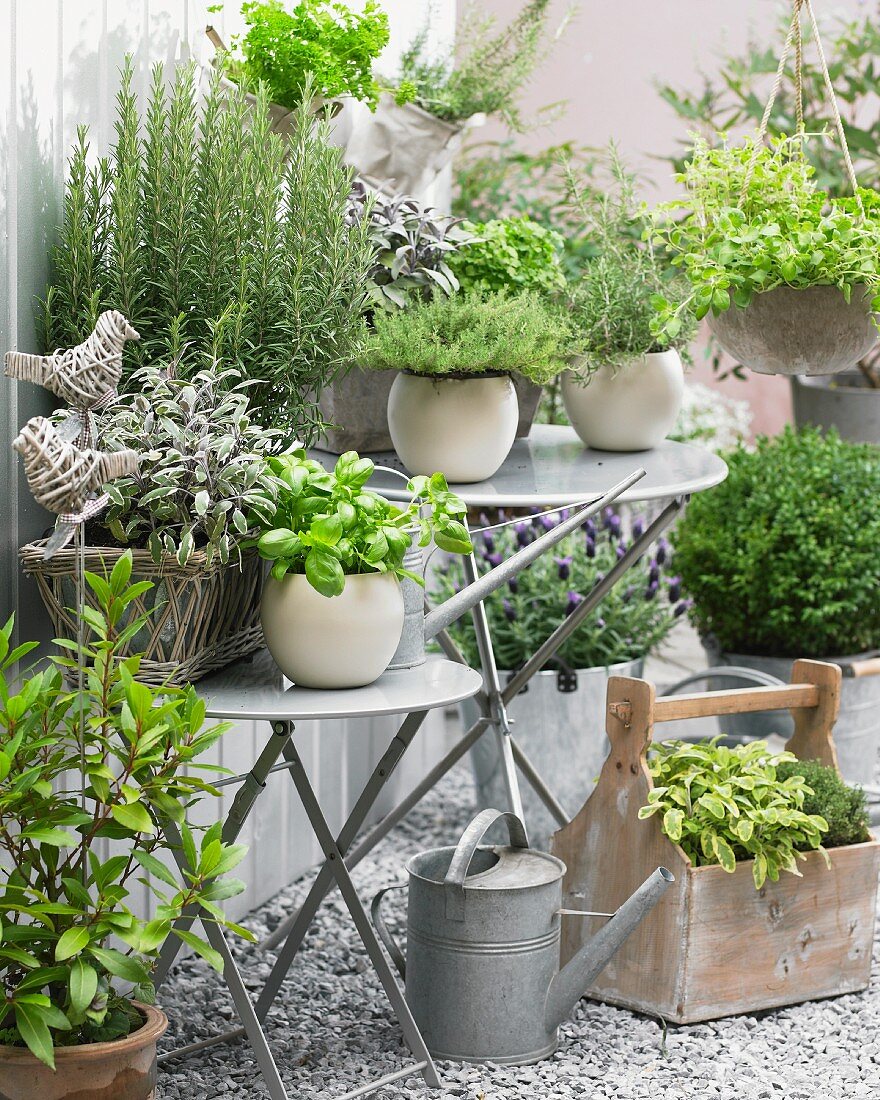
(628, 408)
(343, 641)
(463, 427)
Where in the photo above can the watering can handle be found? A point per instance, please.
(384, 933)
(466, 850)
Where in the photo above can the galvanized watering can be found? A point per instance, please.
(483, 922)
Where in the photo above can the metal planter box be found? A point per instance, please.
(715, 946)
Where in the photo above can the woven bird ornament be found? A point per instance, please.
(66, 478)
(86, 377)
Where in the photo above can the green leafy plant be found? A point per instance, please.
(781, 558)
(215, 247)
(202, 483)
(747, 226)
(632, 620)
(62, 898)
(329, 41)
(612, 302)
(727, 805)
(844, 808)
(488, 71)
(332, 525)
(471, 334)
(510, 254)
(413, 243)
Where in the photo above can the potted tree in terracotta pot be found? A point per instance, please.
(625, 383)
(333, 609)
(76, 1017)
(453, 405)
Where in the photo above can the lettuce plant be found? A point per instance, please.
(725, 805)
(330, 525)
(62, 902)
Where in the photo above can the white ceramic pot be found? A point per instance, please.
(345, 641)
(463, 427)
(628, 408)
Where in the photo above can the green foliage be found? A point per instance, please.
(510, 254)
(843, 807)
(781, 558)
(329, 41)
(202, 483)
(632, 620)
(488, 71)
(612, 302)
(215, 247)
(733, 97)
(331, 525)
(61, 903)
(736, 235)
(413, 246)
(471, 334)
(727, 805)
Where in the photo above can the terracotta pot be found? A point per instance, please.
(124, 1069)
(788, 331)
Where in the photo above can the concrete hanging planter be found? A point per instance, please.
(844, 402)
(787, 331)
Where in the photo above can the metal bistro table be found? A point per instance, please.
(257, 691)
(550, 467)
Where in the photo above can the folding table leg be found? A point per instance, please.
(349, 893)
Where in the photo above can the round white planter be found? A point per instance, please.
(628, 408)
(345, 641)
(463, 427)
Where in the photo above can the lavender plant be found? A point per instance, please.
(633, 619)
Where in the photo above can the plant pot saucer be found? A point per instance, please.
(813, 331)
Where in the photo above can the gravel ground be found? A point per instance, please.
(334, 1030)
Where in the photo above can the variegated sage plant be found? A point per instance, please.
(203, 481)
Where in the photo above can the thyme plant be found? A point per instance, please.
(218, 244)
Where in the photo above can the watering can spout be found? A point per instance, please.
(578, 974)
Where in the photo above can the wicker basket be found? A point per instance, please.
(201, 617)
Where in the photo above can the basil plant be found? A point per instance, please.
(330, 525)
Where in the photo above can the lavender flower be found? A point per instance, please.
(654, 574)
(662, 551)
(513, 585)
(651, 590)
(683, 607)
(564, 567)
(574, 598)
(547, 522)
(488, 542)
(611, 523)
(638, 527)
(675, 590)
(523, 536)
(493, 559)
(509, 610)
(589, 526)
(590, 546)
(621, 550)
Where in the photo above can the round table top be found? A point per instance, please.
(255, 688)
(552, 466)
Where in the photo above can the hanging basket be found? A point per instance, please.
(201, 617)
(787, 331)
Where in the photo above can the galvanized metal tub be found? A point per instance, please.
(560, 725)
(844, 402)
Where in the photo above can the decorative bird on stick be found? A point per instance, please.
(85, 376)
(66, 478)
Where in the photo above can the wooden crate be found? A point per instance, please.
(714, 945)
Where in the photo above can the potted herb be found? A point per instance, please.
(77, 1017)
(452, 405)
(625, 385)
(781, 559)
(558, 716)
(416, 130)
(413, 246)
(325, 44)
(332, 609)
(775, 877)
(201, 490)
(788, 274)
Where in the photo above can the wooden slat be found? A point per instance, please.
(869, 667)
(739, 701)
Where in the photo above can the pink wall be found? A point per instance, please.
(607, 65)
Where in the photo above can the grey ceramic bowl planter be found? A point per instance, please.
(788, 331)
(844, 402)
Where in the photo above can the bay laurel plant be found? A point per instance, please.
(471, 334)
(330, 524)
(725, 805)
(414, 244)
(513, 253)
(781, 558)
(329, 43)
(74, 843)
(754, 219)
(218, 243)
(202, 483)
(633, 619)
